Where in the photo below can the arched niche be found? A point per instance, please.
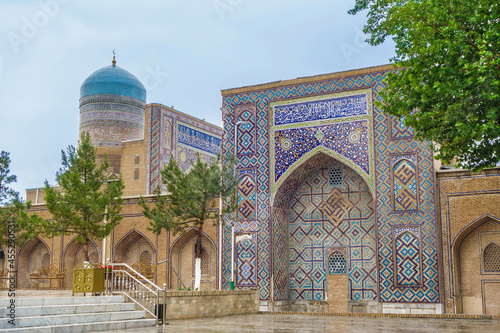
(73, 255)
(324, 203)
(135, 247)
(474, 286)
(32, 255)
(183, 261)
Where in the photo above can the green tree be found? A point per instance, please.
(192, 199)
(447, 87)
(87, 202)
(13, 216)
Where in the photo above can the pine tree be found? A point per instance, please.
(87, 202)
(192, 200)
(13, 217)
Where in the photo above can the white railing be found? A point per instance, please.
(123, 279)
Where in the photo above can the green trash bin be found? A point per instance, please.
(231, 284)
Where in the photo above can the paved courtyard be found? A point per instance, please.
(299, 323)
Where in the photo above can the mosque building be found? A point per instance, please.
(138, 138)
(341, 208)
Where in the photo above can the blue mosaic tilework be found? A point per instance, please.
(163, 126)
(313, 228)
(321, 109)
(187, 156)
(246, 130)
(408, 272)
(399, 130)
(197, 139)
(405, 186)
(383, 147)
(111, 119)
(246, 195)
(246, 253)
(281, 251)
(347, 139)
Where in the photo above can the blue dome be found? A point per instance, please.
(113, 80)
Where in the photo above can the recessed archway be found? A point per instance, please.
(475, 283)
(323, 204)
(183, 261)
(73, 255)
(135, 247)
(34, 254)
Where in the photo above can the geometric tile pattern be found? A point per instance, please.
(247, 196)
(405, 186)
(245, 263)
(399, 130)
(407, 260)
(281, 251)
(246, 130)
(380, 181)
(312, 233)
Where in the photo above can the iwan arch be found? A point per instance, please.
(340, 208)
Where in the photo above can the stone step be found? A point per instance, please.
(30, 311)
(20, 302)
(69, 319)
(86, 327)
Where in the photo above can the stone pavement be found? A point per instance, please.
(300, 323)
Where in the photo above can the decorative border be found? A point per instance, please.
(368, 177)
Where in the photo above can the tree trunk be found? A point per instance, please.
(86, 250)
(198, 252)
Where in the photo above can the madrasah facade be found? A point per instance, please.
(341, 208)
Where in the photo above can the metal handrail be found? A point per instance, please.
(132, 284)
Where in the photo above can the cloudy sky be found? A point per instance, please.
(184, 52)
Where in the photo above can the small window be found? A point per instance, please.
(336, 176)
(337, 263)
(492, 258)
(146, 258)
(137, 159)
(136, 173)
(205, 262)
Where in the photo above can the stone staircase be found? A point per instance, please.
(71, 314)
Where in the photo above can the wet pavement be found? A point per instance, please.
(300, 323)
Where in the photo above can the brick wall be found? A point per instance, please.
(469, 216)
(215, 303)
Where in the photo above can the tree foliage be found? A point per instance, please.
(13, 216)
(448, 85)
(192, 197)
(87, 202)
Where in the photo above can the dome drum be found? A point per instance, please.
(112, 103)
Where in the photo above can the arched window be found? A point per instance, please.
(337, 264)
(146, 258)
(205, 262)
(492, 258)
(46, 260)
